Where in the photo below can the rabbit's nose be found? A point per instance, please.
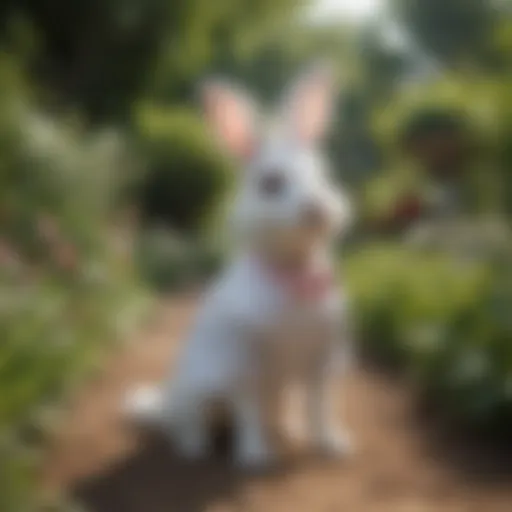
(313, 214)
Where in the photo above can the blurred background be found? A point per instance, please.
(111, 191)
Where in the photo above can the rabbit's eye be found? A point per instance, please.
(272, 184)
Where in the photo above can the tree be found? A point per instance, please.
(100, 55)
(453, 31)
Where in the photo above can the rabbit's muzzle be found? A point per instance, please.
(314, 216)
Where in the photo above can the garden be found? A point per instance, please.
(112, 193)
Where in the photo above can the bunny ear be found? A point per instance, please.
(231, 116)
(308, 104)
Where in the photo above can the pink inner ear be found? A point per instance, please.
(311, 106)
(314, 115)
(231, 119)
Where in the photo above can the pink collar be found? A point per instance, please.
(308, 284)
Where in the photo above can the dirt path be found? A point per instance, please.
(109, 469)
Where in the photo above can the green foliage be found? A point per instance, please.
(66, 280)
(441, 318)
(168, 262)
(382, 195)
(434, 304)
(454, 31)
(457, 124)
(102, 55)
(186, 176)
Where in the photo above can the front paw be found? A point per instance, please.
(334, 443)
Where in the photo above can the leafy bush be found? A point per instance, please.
(443, 319)
(393, 200)
(169, 262)
(66, 280)
(186, 175)
(460, 123)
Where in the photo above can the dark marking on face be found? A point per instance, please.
(272, 184)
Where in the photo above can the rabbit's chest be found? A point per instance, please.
(298, 333)
(297, 319)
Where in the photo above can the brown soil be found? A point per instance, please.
(400, 465)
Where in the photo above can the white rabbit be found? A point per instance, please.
(274, 317)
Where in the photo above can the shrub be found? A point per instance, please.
(457, 123)
(185, 176)
(443, 319)
(66, 287)
(438, 138)
(168, 262)
(393, 200)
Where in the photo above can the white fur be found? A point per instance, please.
(251, 341)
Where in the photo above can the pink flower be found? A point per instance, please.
(66, 256)
(48, 228)
(409, 208)
(9, 258)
